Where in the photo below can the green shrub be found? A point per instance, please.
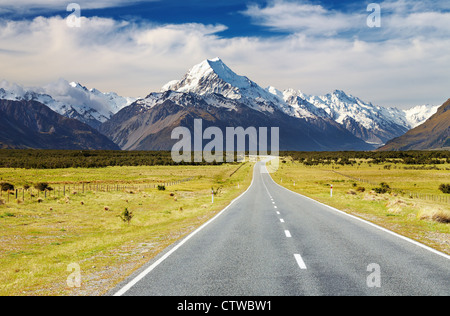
(126, 216)
(361, 189)
(43, 186)
(217, 191)
(445, 188)
(7, 186)
(161, 187)
(384, 188)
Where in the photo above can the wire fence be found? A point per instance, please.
(62, 190)
(410, 194)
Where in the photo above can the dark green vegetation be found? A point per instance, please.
(51, 159)
(373, 157)
(445, 188)
(4, 186)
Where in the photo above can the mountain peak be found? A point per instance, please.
(339, 92)
(78, 85)
(209, 76)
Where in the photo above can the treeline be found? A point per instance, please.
(52, 159)
(352, 157)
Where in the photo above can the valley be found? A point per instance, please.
(42, 236)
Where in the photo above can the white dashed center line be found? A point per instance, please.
(300, 261)
(297, 256)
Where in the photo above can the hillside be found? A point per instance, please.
(433, 134)
(30, 124)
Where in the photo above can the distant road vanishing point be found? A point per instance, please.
(273, 242)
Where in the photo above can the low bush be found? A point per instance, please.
(445, 188)
(6, 186)
(361, 189)
(384, 188)
(43, 186)
(126, 216)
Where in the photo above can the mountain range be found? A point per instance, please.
(213, 92)
(433, 134)
(31, 124)
(71, 100)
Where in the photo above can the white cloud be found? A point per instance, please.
(302, 17)
(134, 59)
(400, 19)
(127, 57)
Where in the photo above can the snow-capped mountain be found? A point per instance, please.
(433, 134)
(221, 98)
(70, 99)
(374, 124)
(419, 114)
(31, 124)
(215, 93)
(212, 76)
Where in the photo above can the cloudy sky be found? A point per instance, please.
(135, 47)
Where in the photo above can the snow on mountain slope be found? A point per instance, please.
(419, 114)
(339, 106)
(213, 83)
(219, 78)
(70, 99)
(374, 124)
(212, 76)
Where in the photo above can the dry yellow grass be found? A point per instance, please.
(39, 241)
(436, 214)
(426, 221)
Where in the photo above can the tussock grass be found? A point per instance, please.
(435, 214)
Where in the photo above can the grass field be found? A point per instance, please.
(40, 241)
(426, 219)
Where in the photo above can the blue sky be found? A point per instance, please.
(135, 47)
(231, 13)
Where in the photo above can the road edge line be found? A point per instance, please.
(437, 252)
(140, 276)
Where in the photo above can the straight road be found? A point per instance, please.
(274, 242)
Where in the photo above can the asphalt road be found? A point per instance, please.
(274, 242)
